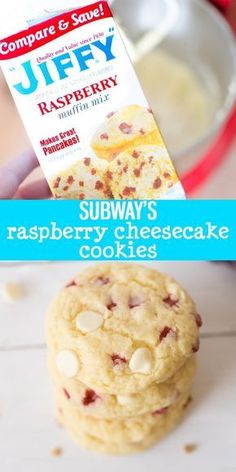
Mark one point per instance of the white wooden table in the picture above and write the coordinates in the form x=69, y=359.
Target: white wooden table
x=28, y=431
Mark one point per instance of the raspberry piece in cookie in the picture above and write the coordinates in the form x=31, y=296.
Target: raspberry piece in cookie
x=162, y=411
x=135, y=302
x=66, y=393
x=102, y=280
x=118, y=360
x=198, y=319
x=72, y=283
x=166, y=332
x=111, y=305
x=90, y=397
x=171, y=302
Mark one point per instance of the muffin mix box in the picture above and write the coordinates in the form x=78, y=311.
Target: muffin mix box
x=84, y=109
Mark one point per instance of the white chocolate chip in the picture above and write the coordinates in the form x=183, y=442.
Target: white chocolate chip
x=67, y=363
x=173, y=289
x=88, y=321
x=141, y=361
x=176, y=291
x=139, y=314
x=13, y=291
x=125, y=400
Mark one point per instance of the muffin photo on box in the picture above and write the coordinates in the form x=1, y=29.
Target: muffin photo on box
x=83, y=180
x=144, y=172
x=127, y=128
x=139, y=164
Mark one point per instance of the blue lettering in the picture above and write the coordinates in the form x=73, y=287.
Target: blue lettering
x=62, y=63
x=33, y=82
x=46, y=74
x=83, y=58
x=106, y=48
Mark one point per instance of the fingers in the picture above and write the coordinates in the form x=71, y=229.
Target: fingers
x=37, y=190
x=14, y=172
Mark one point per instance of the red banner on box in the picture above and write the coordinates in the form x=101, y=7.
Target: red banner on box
x=45, y=32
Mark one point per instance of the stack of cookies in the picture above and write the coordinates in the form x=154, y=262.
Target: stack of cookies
x=122, y=340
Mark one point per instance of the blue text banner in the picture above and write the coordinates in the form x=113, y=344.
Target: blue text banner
x=118, y=230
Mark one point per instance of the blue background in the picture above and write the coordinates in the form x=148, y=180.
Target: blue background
x=66, y=213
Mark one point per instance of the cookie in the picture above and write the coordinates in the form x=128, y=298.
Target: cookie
x=144, y=172
x=127, y=128
x=163, y=424
x=98, y=405
x=84, y=180
x=119, y=327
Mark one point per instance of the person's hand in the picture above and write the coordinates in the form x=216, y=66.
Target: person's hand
x=14, y=172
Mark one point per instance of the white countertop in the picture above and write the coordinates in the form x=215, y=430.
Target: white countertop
x=28, y=431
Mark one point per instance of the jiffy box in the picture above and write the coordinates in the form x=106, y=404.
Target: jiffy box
x=84, y=109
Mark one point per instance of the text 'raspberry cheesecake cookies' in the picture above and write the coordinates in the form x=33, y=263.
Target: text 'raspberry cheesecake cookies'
x=121, y=341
